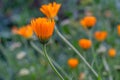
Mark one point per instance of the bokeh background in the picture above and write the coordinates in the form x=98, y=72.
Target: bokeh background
x=20, y=61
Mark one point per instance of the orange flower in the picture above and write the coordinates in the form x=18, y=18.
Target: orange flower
x=51, y=9
x=85, y=43
x=100, y=35
x=112, y=52
x=88, y=21
x=73, y=62
x=25, y=31
x=82, y=22
x=118, y=28
x=43, y=28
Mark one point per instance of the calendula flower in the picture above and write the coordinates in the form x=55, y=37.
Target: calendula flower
x=25, y=31
x=100, y=35
x=88, y=21
x=112, y=52
x=43, y=28
x=118, y=29
x=73, y=62
x=85, y=43
x=82, y=22
x=51, y=9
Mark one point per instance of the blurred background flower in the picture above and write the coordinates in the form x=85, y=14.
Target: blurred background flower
x=18, y=57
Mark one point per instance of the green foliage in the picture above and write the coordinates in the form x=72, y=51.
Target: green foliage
x=20, y=61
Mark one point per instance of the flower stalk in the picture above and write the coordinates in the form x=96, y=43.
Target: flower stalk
x=50, y=62
x=57, y=65
x=77, y=52
x=107, y=68
x=89, y=33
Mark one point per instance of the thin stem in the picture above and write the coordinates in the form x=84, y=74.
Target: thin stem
x=36, y=48
x=89, y=32
x=107, y=67
x=8, y=60
x=57, y=65
x=5, y=55
x=94, y=56
x=46, y=55
x=77, y=52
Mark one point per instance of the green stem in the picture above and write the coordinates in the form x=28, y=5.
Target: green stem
x=77, y=52
x=46, y=55
x=4, y=53
x=107, y=67
x=92, y=49
x=8, y=59
x=94, y=59
x=57, y=65
x=89, y=33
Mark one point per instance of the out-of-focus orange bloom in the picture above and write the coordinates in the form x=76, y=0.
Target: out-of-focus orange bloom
x=88, y=21
x=14, y=30
x=118, y=29
x=51, y=9
x=85, y=43
x=25, y=31
x=112, y=52
x=73, y=62
x=82, y=22
x=43, y=28
x=100, y=35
